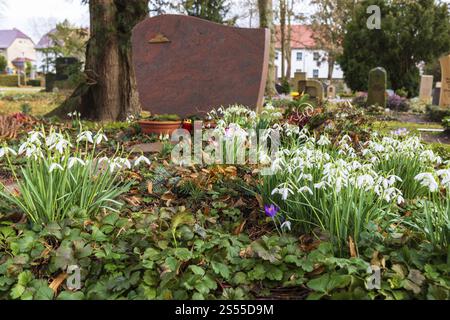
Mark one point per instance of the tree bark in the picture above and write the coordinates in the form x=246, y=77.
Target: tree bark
x=110, y=90
x=331, y=63
x=283, y=38
x=266, y=21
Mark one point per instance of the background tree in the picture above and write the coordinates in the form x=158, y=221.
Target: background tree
x=329, y=26
x=110, y=91
x=411, y=32
x=212, y=10
x=3, y=64
x=265, y=8
x=66, y=40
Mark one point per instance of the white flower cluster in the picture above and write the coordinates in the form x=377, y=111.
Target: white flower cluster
x=312, y=166
x=58, y=151
x=390, y=147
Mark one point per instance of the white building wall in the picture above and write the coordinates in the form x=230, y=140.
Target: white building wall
x=21, y=48
x=303, y=60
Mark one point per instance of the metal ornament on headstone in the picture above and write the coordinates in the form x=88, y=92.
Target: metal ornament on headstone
x=426, y=88
x=377, y=87
x=186, y=65
x=445, y=83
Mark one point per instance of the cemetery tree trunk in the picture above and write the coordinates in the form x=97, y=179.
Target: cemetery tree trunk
x=109, y=91
x=265, y=8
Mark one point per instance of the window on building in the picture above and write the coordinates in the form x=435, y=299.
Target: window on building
x=316, y=56
x=299, y=56
x=315, y=73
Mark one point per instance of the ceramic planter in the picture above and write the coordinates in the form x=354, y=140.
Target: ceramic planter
x=159, y=127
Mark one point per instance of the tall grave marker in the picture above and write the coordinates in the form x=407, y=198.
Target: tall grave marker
x=377, y=87
x=445, y=84
x=187, y=66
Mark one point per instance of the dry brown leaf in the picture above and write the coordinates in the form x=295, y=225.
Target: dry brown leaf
x=168, y=196
x=56, y=283
x=260, y=201
x=150, y=187
x=352, y=247
x=134, y=201
x=240, y=228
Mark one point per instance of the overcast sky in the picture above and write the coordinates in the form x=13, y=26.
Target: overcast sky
x=37, y=17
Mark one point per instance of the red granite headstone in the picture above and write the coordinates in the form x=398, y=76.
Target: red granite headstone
x=185, y=65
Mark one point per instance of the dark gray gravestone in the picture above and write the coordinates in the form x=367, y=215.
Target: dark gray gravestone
x=377, y=87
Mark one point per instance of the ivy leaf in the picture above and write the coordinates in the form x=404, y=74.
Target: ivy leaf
x=24, y=278
x=221, y=269
x=17, y=291
x=264, y=252
x=172, y=263
x=258, y=273
x=98, y=235
x=240, y=278
x=67, y=295
x=197, y=270
x=328, y=282
x=274, y=273
x=64, y=257
x=183, y=254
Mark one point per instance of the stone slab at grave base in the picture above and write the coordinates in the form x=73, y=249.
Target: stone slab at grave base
x=147, y=148
x=187, y=66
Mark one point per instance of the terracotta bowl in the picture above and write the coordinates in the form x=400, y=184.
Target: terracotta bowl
x=159, y=127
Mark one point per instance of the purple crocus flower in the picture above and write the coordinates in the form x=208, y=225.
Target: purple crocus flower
x=271, y=211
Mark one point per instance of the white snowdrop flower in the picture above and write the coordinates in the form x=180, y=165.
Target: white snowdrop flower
x=284, y=192
x=99, y=137
x=74, y=160
x=320, y=185
x=286, y=226
x=400, y=200
x=445, y=176
x=60, y=145
x=35, y=136
x=305, y=189
x=53, y=138
x=365, y=180
x=85, y=136
x=427, y=180
x=103, y=159
x=7, y=150
x=122, y=162
x=55, y=166
x=138, y=161
x=323, y=141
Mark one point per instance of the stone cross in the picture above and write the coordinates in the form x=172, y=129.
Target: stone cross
x=187, y=66
x=377, y=87
x=445, y=83
x=426, y=89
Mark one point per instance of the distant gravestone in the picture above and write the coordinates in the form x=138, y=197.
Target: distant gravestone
x=313, y=88
x=331, y=92
x=377, y=87
x=186, y=65
x=437, y=94
x=445, y=90
x=426, y=88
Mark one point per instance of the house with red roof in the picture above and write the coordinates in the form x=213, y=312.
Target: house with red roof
x=17, y=48
x=306, y=55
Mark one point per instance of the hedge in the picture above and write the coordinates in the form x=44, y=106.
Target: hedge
x=8, y=80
